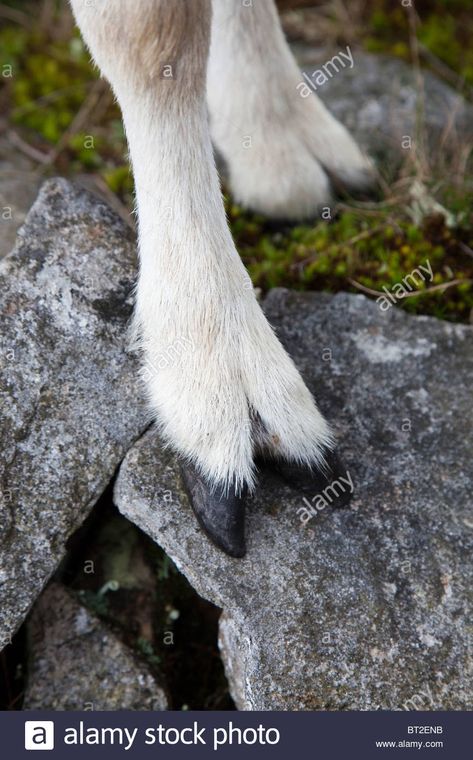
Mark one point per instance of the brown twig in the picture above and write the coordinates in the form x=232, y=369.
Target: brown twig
x=419, y=157
x=92, y=99
x=466, y=249
x=114, y=201
x=26, y=148
x=43, y=100
x=363, y=235
x=434, y=288
x=444, y=71
x=12, y=14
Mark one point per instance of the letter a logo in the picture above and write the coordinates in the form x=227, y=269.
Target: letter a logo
x=39, y=734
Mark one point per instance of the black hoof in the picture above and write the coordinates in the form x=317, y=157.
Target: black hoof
x=333, y=482
x=220, y=515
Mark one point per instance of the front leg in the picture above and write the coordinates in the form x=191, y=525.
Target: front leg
x=220, y=384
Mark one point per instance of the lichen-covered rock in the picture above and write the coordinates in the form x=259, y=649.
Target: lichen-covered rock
x=390, y=110
x=76, y=663
x=368, y=607
x=71, y=402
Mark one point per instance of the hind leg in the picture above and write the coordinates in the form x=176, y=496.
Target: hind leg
x=280, y=147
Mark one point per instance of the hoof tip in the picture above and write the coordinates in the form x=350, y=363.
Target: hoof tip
x=333, y=478
x=220, y=514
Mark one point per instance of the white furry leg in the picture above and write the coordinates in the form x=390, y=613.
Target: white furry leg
x=232, y=390
x=220, y=384
x=278, y=145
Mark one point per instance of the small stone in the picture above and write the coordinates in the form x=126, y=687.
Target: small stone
x=76, y=663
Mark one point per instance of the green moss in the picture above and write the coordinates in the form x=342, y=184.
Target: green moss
x=373, y=251
x=444, y=28
x=50, y=82
x=119, y=179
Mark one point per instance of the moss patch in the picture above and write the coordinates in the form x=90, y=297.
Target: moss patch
x=375, y=250
x=443, y=27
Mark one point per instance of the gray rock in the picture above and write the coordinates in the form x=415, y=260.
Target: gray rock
x=76, y=663
x=367, y=607
x=380, y=101
x=71, y=402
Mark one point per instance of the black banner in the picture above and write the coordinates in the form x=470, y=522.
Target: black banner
x=335, y=736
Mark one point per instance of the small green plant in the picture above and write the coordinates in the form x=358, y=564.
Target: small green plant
x=97, y=603
x=145, y=648
x=56, y=100
x=165, y=567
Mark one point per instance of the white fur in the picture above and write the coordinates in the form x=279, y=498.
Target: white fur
x=274, y=141
x=193, y=286
x=230, y=387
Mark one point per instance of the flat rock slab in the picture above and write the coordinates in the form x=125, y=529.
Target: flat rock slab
x=71, y=403
x=369, y=607
x=76, y=663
